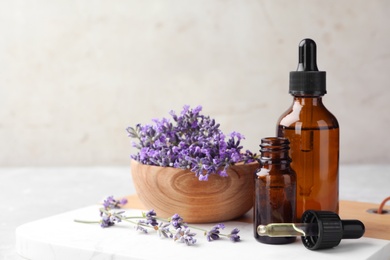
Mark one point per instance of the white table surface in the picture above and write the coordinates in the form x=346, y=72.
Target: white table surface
x=28, y=194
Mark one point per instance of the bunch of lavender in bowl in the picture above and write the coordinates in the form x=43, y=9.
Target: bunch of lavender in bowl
x=188, y=165
x=193, y=141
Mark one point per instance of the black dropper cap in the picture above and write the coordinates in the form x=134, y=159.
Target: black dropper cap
x=307, y=80
x=331, y=229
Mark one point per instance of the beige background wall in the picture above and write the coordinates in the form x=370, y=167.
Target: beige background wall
x=75, y=73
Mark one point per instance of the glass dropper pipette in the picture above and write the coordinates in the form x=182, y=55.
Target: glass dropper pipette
x=318, y=230
x=288, y=229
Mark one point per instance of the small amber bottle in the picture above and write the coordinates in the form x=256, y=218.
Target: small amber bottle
x=314, y=136
x=275, y=188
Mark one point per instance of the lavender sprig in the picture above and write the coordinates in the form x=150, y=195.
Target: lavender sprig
x=192, y=141
x=173, y=228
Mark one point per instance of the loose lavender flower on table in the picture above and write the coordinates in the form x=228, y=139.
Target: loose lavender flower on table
x=111, y=203
x=213, y=234
x=184, y=235
x=141, y=226
x=109, y=218
x=173, y=228
x=163, y=230
x=151, y=218
x=233, y=236
x=192, y=141
x=176, y=221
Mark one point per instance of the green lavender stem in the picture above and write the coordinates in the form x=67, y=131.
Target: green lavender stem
x=128, y=219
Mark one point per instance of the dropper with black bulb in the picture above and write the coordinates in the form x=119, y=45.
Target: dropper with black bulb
x=307, y=80
x=318, y=230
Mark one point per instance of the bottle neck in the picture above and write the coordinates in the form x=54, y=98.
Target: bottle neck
x=274, y=152
x=309, y=100
x=275, y=164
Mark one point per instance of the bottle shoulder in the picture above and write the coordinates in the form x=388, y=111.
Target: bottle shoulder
x=308, y=117
x=276, y=169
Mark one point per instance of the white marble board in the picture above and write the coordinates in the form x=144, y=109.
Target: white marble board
x=60, y=238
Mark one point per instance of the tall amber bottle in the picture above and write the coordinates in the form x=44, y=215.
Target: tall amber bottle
x=275, y=189
x=314, y=136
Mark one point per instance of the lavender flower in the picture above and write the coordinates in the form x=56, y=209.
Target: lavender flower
x=116, y=217
x=106, y=221
x=213, y=234
x=184, y=235
x=111, y=203
x=192, y=141
x=176, y=221
x=140, y=227
x=123, y=201
x=109, y=219
x=233, y=236
x=163, y=230
x=151, y=218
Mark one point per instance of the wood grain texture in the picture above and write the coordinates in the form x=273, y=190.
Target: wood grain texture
x=168, y=191
x=377, y=225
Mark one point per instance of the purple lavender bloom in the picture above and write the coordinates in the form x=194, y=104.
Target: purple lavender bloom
x=197, y=109
x=109, y=219
x=106, y=221
x=111, y=203
x=123, y=201
x=176, y=221
x=116, y=217
x=184, y=235
x=236, y=135
x=163, y=230
x=223, y=173
x=151, y=218
x=185, y=110
x=249, y=157
x=233, y=236
x=213, y=234
x=143, y=153
x=140, y=227
x=203, y=177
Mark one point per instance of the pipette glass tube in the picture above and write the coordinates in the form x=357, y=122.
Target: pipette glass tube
x=288, y=229
x=318, y=230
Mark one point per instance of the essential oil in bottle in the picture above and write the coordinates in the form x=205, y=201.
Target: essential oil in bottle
x=275, y=189
x=314, y=136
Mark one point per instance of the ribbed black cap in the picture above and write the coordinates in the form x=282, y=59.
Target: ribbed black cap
x=331, y=229
x=307, y=80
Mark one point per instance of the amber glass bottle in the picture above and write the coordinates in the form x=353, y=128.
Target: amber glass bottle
x=314, y=136
x=275, y=189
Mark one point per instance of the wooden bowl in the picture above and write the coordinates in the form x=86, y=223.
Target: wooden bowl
x=169, y=190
